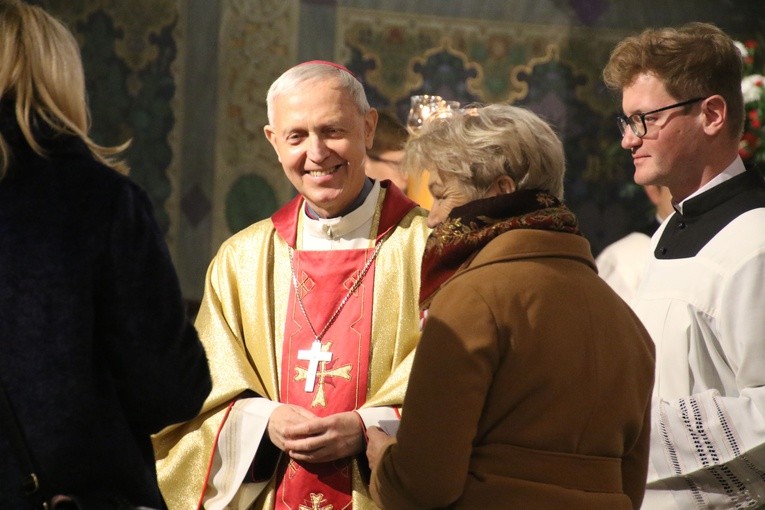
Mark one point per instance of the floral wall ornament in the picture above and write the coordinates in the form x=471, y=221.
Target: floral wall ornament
x=752, y=144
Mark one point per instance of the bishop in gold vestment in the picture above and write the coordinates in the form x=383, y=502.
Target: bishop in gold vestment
x=309, y=319
x=242, y=324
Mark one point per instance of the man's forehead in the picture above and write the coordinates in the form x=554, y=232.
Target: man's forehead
x=645, y=84
x=313, y=88
x=330, y=104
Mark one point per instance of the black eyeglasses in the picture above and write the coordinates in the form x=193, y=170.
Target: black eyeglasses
x=636, y=122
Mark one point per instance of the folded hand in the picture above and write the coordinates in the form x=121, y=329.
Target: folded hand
x=325, y=439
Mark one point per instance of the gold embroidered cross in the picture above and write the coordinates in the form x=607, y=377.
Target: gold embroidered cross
x=316, y=501
x=321, y=373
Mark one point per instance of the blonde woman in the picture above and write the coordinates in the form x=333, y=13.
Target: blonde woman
x=95, y=350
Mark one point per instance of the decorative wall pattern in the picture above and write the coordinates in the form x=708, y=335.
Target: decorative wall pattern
x=543, y=54
x=128, y=51
x=258, y=42
x=552, y=70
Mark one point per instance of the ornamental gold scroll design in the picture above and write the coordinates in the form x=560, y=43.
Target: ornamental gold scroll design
x=520, y=88
x=391, y=43
x=137, y=20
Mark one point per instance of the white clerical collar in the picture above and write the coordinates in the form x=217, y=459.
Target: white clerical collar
x=734, y=169
x=344, y=232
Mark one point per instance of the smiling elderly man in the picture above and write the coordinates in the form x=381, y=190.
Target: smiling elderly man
x=309, y=318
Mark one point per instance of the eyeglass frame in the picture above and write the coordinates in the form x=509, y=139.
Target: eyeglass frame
x=623, y=121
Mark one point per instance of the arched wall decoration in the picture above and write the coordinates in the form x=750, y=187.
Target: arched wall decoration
x=70, y=12
x=389, y=41
x=137, y=20
x=520, y=88
x=562, y=64
x=402, y=36
x=472, y=84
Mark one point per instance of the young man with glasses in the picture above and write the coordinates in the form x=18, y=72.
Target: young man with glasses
x=702, y=297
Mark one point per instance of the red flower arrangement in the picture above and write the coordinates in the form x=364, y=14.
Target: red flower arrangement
x=752, y=145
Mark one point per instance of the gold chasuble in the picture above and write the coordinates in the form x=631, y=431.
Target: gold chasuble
x=345, y=341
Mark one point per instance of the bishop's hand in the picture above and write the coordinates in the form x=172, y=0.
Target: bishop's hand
x=325, y=439
x=282, y=420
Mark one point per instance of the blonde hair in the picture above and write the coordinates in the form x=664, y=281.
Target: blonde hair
x=484, y=143
x=41, y=74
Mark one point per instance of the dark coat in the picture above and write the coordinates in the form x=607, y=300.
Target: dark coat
x=96, y=352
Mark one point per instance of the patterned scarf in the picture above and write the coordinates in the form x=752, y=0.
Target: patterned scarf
x=470, y=227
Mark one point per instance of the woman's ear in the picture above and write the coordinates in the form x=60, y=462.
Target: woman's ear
x=503, y=185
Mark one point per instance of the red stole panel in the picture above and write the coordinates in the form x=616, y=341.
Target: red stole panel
x=324, y=278
x=328, y=378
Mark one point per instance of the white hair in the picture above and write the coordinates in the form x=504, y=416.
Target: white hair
x=300, y=74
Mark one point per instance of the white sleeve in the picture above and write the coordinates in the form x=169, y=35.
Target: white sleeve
x=701, y=454
x=709, y=448
x=387, y=418
x=239, y=440
x=622, y=263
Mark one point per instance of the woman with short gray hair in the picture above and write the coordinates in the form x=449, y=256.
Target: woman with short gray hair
x=532, y=382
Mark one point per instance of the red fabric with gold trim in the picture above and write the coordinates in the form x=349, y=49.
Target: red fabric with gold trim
x=340, y=379
x=324, y=279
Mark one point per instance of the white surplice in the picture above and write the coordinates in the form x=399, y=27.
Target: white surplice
x=706, y=314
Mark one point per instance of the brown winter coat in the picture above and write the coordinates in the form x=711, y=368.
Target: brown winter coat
x=530, y=388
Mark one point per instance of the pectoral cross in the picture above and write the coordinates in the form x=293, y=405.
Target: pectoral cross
x=313, y=357
x=317, y=500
